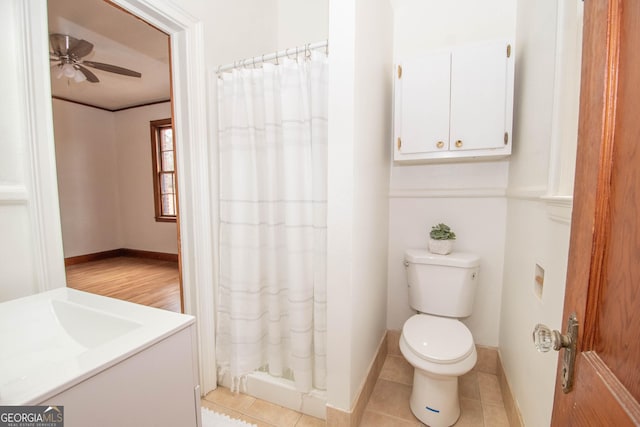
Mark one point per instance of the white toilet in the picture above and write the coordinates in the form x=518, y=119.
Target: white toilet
x=440, y=347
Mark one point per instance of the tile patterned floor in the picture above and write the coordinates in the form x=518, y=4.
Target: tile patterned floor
x=480, y=400
x=256, y=411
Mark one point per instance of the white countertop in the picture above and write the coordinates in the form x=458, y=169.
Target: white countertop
x=56, y=339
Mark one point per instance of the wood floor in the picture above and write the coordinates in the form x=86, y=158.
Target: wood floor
x=143, y=281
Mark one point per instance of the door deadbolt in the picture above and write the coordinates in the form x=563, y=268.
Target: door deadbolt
x=546, y=339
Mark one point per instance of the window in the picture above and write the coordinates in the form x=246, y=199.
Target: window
x=164, y=174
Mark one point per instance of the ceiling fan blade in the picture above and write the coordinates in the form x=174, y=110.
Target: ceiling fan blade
x=112, y=68
x=63, y=45
x=82, y=48
x=88, y=74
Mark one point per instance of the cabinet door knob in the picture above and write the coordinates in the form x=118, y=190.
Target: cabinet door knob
x=458, y=143
x=440, y=144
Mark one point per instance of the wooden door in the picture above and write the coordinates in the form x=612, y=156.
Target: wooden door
x=603, y=279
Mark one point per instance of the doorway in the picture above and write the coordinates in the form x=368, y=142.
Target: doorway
x=102, y=116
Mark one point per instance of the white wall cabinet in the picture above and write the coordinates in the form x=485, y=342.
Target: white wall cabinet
x=454, y=104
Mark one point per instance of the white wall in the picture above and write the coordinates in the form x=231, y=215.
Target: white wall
x=31, y=245
x=301, y=22
x=539, y=204
x=533, y=238
x=16, y=259
x=246, y=28
x=360, y=34
x=139, y=229
x=235, y=29
x=87, y=178
x=372, y=132
x=467, y=196
x=105, y=179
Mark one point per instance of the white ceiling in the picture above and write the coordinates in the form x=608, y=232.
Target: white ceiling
x=119, y=39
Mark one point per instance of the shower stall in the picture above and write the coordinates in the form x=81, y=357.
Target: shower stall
x=271, y=296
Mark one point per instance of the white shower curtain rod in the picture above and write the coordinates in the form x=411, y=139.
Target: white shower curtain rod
x=257, y=60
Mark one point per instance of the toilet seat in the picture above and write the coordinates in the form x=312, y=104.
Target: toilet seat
x=437, y=339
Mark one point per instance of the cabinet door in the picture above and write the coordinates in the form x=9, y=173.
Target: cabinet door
x=478, y=96
x=422, y=104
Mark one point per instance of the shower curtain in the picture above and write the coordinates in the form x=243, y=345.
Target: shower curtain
x=273, y=171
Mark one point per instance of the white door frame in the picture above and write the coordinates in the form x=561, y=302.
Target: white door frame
x=195, y=186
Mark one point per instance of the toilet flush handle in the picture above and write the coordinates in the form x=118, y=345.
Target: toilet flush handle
x=406, y=263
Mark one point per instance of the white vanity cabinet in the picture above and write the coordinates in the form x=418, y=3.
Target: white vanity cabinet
x=454, y=104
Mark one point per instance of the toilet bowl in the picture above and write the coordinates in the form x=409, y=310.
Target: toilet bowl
x=440, y=350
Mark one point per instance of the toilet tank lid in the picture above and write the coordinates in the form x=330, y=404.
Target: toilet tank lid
x=454, y=259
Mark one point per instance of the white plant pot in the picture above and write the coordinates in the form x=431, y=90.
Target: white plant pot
x=441, y=247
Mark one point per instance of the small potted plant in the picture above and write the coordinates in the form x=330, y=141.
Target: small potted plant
x=441, y=239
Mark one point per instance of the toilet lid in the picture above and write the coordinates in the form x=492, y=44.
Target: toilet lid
x=438, y=339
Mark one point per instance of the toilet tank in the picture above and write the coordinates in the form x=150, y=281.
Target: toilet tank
x=442, y=285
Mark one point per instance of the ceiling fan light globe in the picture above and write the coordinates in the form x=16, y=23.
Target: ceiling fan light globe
x=79, y=77
x=68, y=70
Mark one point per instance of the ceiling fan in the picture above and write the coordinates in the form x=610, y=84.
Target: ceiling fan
x=68, y=52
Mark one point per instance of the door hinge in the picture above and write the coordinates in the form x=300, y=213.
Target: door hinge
x=508, y=51
x=399, y=71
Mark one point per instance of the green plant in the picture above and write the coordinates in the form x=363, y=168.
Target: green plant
x=442, y=232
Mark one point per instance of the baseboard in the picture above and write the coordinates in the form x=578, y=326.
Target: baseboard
x=134, y=253
x=339, y=418
x=510, y=405
x=160, y=256
x=96, y=256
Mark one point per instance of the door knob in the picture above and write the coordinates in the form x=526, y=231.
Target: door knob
x=546, y=339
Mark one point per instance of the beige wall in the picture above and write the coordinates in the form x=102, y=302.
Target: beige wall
x=139, y=228
x=87, y=166
x=105, y=179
